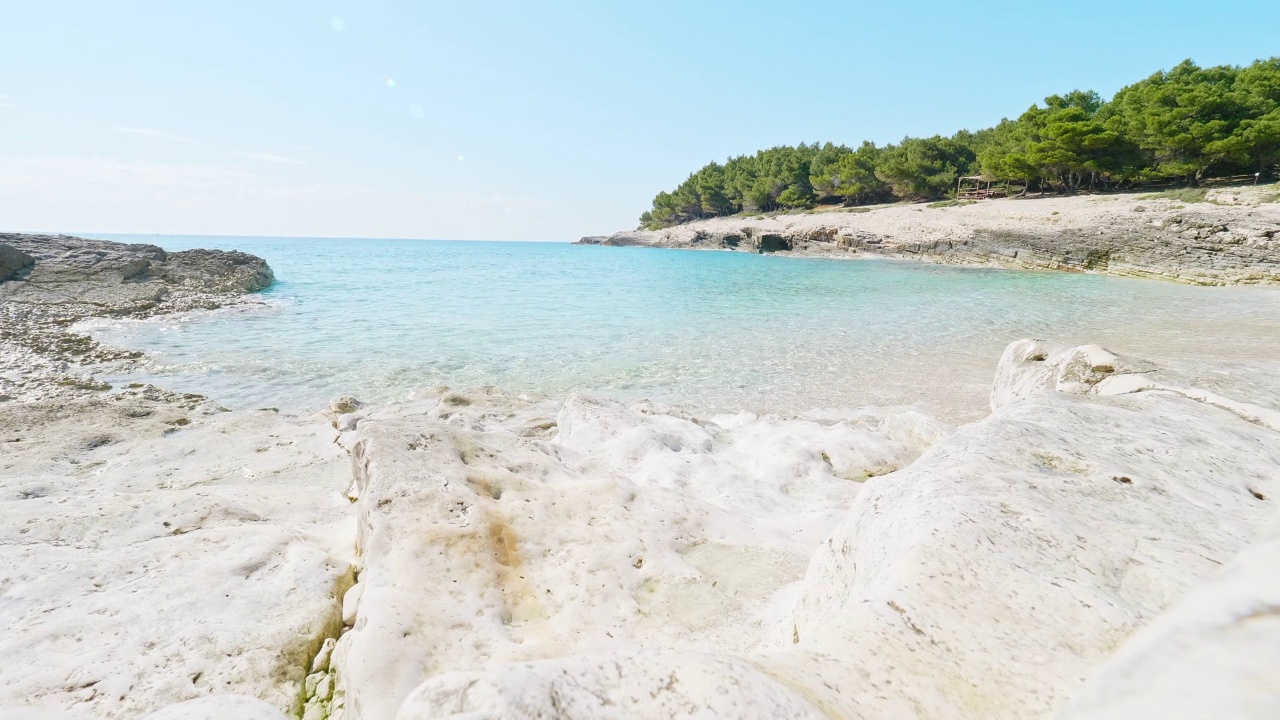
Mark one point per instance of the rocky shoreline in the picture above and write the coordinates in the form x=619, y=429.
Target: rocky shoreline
x=49, y=282
x=1231, y=237
x=1102, y=545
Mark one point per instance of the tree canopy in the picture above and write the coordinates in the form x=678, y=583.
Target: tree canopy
x=1183, y=125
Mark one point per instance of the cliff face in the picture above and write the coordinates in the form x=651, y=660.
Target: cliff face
x=1231, y=238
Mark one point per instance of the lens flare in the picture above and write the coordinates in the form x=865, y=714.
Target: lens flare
x=337, y=24
x=391, y=82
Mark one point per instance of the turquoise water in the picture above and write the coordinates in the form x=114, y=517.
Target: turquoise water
x=714, y=330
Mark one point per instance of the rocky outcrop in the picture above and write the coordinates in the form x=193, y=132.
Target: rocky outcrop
x=122, y=275
x=495, y=529
x=1231, y=238
x=1101, y=546
x=1214, y=654
x=159, y=551
x=989, y=579
x=993, y=575
x=47, y=282
x=13, y=262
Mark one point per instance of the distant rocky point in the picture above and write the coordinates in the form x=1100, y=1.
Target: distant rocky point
x=1232, y=237
x=45, y=263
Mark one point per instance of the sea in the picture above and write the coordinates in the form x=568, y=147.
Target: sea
x=707, y=330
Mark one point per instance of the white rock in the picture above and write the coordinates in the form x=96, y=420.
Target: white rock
x=309, y=687
x=351, y=604
x=28, y=712
x=653, y=686
x=482, y=543
x=324, y=688
x=987, y=579
x=1031, y=366
x=219, y=707
x=150, y=570
x=321, y=661
x=1216, y=653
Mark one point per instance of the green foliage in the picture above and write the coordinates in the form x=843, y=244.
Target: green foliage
x=1182, y=126
x=925, y=168
x=836, y=172
x=1186, y=195
x=951, y=203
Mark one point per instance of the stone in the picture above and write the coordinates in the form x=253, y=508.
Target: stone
x=351, y=604
x=343, y=405
x=1215, y=653
x=13, y=262
x=161, y=567
x=48, y=282
x=652, y=686
x=309, y=687
x=219, y=707
x=483, y=541
x=987, y=579
x=1114, y=234
x=324, y=688
x=321, y=661
x=991, y=576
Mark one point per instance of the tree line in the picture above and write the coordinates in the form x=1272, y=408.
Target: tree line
x=1182, y=126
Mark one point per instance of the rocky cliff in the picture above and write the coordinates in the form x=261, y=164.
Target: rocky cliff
x=1231, y=237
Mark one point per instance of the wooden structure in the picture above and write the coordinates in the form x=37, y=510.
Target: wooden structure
x=976, y=187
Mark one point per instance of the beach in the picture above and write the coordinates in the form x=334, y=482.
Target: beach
x=1224, y=237
x=1073, y=549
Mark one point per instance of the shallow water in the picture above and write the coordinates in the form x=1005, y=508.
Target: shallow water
x=714, y=330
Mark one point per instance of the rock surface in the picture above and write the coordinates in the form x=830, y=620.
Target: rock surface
x=47, y=282
x=155, y=553
x=13, y=262
x=1103, y=545
x=65, y=268
x=156, y=548
x=1231, y=238
x=987, y=579
x=1215, y=654
x=497, y=529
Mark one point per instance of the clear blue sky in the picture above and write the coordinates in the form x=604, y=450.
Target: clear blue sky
x=514, y=120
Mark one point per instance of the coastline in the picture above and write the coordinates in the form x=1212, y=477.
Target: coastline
x=468, y=551
x=1230, y=238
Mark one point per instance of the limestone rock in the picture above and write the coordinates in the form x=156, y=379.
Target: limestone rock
x=991, y=576
x=483, y=540
x=654, y=686
x=50, y=281
x=1208, y=243
x=1031, y=366
x=987, y=580
x=146, y=566
x=219, y=707
x=343, y=404
x=1216, y=653
x=13, y=261
x=122, y=274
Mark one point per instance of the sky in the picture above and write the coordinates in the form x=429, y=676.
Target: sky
x=533, y=120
